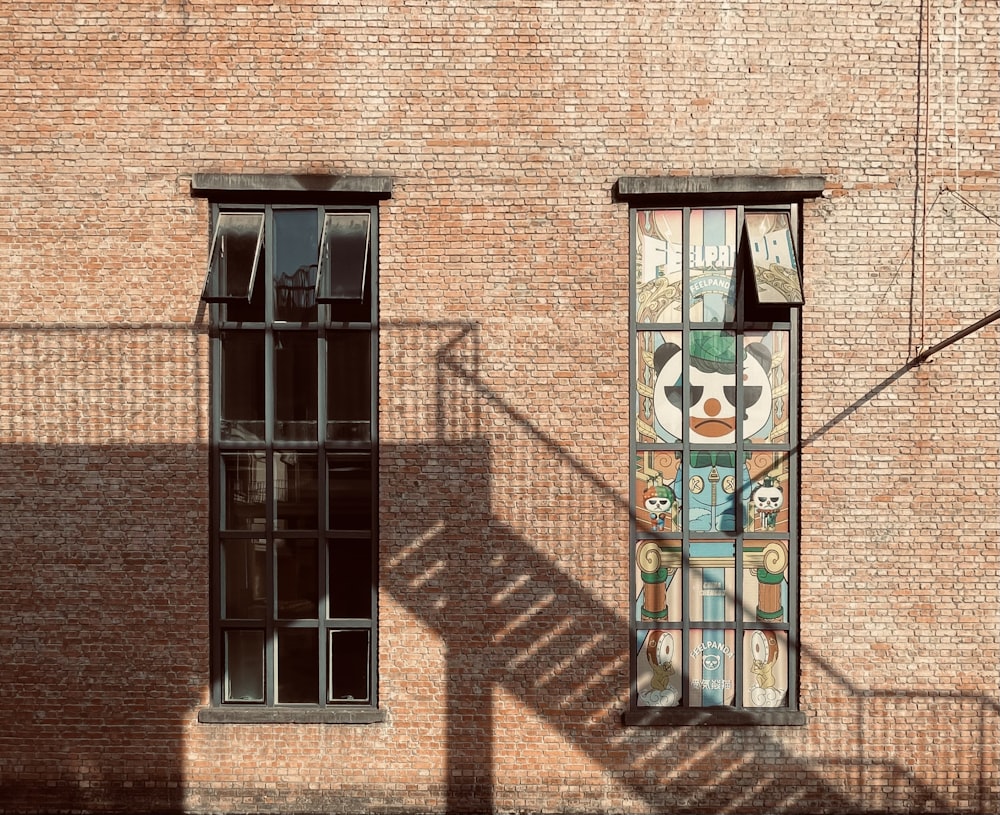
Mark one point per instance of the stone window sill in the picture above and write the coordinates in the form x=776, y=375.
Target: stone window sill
x=258, y=714
x=712, y=717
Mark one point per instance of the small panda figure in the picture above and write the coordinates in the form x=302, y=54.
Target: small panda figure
x=659, y=500
x=767, y=498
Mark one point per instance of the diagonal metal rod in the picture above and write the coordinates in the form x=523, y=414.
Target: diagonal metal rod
x=923, y=356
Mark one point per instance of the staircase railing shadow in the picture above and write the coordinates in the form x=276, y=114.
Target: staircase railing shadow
x=516, y=621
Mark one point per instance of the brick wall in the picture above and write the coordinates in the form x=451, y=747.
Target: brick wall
x=503, y=403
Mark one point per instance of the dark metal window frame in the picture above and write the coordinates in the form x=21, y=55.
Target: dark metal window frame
x=743, y=195
x=270, y=195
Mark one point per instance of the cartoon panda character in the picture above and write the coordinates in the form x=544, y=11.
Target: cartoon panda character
x=659, y=500
x=711, y=382
x=709, y=485
x=767, y=498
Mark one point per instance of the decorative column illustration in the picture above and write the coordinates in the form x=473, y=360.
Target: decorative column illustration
x=655, y=575
x=770, y=576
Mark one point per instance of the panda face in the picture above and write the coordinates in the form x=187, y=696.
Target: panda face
x=768, y=499
x=659, y=503
x=713, y=396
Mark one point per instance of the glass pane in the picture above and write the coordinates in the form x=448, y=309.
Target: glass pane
x=657, y=487
x=296, y=239
x=768, y=510
x=765, y=581
x=296, y=572
x=772, y=255
x=350, y=656
x=658, y=668
x=242, y=385
x=244, y=485
x=344, y=260
x=296, y=491
x=658, y=576
x=708, y=490
x=712, y=585
x=711, y=388
x=235, y=252
x=298, y=665
x=709, y=399
x=658, y=266
x=253, y=312
x=712, y=668
x=350, y=483
x=295, y=385
x=244, y=568
x=348, y=386
x=244, y=668
x=659, y=379
x=351, y=577
x=712, y=255
x=765, y=672
x=765, y=387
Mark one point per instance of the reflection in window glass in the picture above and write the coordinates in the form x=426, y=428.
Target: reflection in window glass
x=295, y=575
x=350, y=500
x=296, y=491
x=297, y=665
x=244, y=477
x=350, y=656
x=250, y=312
x=244, y=565
x=344, y=255
x=296, y=234
x=244, y=668
x=348, y=386
x=295, y=385
x=242, y=385
x=236, y=246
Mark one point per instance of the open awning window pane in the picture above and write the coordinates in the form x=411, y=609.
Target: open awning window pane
x=235, y=253
x=772, y=258
x=343, y=256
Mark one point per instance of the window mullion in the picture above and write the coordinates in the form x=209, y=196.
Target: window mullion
x=685, y=468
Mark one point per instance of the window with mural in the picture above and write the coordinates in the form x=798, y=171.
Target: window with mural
x=715, y=296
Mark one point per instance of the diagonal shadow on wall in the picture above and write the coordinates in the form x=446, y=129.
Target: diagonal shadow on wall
x=514, y=619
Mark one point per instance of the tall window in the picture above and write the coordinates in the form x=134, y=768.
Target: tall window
x=715, y=296
x=291, y=290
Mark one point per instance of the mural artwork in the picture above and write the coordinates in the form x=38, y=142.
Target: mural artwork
x=695, y=486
